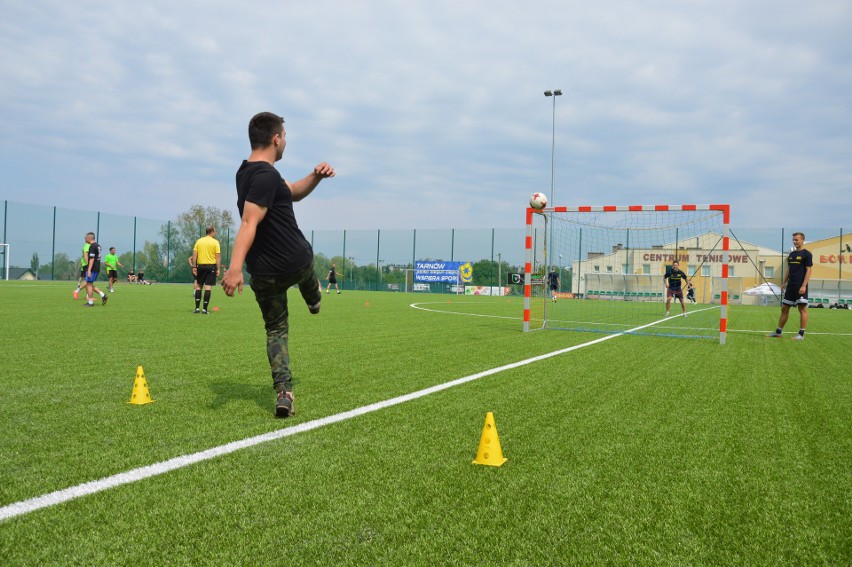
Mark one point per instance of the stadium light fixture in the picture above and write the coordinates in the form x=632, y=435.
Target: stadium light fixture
x=555, y=93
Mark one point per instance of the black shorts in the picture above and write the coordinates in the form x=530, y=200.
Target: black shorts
x=205, y=274
x=332, y=280
x=678, y=293
x=112, y=274
x=792, y=295
x=83, y=273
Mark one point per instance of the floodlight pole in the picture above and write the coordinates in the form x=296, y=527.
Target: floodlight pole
x=554, y=93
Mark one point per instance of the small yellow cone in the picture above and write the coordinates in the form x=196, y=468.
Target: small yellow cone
x=140, y=394
x=489, y=453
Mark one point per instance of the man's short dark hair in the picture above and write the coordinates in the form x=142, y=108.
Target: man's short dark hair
x=210, y=230
x=262, y=127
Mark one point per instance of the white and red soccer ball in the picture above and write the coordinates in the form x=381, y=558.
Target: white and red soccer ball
x=538, y=201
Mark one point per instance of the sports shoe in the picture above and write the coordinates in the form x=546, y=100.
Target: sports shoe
x=684, y=314
x=76, y=294
x=104, y=300
x=667, y=313
x=284, y=405
x=197, y=311
x=87, y=304
x=314, y=309
x=774, y=335
x=204, y=312
x=326, y=292
x=338, y=293
x=797, y=337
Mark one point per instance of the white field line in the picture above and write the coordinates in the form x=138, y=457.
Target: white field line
x=730, y=330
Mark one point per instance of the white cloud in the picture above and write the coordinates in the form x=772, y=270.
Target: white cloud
x=432, y=112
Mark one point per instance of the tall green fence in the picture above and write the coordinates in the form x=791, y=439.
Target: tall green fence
x=48, y=242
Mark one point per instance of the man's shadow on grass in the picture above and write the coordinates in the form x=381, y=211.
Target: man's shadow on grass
x=260, y=393
x=225, y=393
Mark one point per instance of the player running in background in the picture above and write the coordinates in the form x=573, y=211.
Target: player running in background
x=84, y=263
x=92, y=270
x=276, y=253
x=111, y=262
x=205, y=261
x=690, y=293
x=674, y=286
x=553, y=283
x=332, y=279
x=795, y=285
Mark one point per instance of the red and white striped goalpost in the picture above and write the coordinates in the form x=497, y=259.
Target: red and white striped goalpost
x=726, y=218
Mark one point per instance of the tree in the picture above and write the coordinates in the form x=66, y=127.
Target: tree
x=152, y=261
x=34, y=263
x=63, y=268
x=180, y=235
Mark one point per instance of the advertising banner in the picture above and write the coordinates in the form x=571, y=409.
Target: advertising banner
x=440, y=271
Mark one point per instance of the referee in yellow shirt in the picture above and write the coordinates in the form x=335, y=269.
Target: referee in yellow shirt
x=205, y=262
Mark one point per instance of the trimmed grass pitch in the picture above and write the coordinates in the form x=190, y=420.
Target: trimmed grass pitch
x=639, y=449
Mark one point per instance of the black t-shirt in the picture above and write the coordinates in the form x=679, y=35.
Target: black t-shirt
x=279, y=246
x=553, y=279
x=676, y=278
x=799, y=261
x=95, y=252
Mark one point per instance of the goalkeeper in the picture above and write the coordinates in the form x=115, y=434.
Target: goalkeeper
x=674, y=286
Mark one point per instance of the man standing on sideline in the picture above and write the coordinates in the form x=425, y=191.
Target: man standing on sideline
x=84, y=263
x=332, y=279
x=276, y=253
x=205, y=262
x=553, y=283
x=795, y=285
x=674, y=286
x=92, y=270
x=111, y=262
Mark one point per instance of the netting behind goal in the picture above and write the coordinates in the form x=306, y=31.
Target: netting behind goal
x=602, y=269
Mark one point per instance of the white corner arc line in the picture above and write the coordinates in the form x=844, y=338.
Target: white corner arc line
x=134, y=475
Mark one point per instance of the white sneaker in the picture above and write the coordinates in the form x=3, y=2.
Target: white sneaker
x=667, y=313
x=797, y=337
x=684, y=314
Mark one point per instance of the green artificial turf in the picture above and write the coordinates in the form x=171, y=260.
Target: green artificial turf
x=639, y=449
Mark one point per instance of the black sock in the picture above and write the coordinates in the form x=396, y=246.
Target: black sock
x=778, y=331
x=197, y=298
x=801, y=332
x=206, y=298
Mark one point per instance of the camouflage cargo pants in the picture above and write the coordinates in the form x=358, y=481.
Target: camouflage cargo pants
x=271, y=296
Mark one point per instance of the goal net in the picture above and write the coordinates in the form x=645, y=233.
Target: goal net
x=604, y=269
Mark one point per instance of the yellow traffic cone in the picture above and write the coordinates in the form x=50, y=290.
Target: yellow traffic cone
x=490, y=453
x=140, y=394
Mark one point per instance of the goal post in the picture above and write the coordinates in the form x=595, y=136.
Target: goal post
x=604, y=269
x=5, y=251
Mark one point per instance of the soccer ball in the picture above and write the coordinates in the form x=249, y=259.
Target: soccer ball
x=538, y=201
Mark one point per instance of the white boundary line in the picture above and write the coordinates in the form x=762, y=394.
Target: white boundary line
x=141, y=473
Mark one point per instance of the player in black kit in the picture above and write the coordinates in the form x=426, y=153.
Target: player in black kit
x=799, y=265
x=674, y=286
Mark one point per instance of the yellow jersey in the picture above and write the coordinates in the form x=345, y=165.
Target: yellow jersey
x=206, y=249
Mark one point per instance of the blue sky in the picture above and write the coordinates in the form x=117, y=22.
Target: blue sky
x=433, y=112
